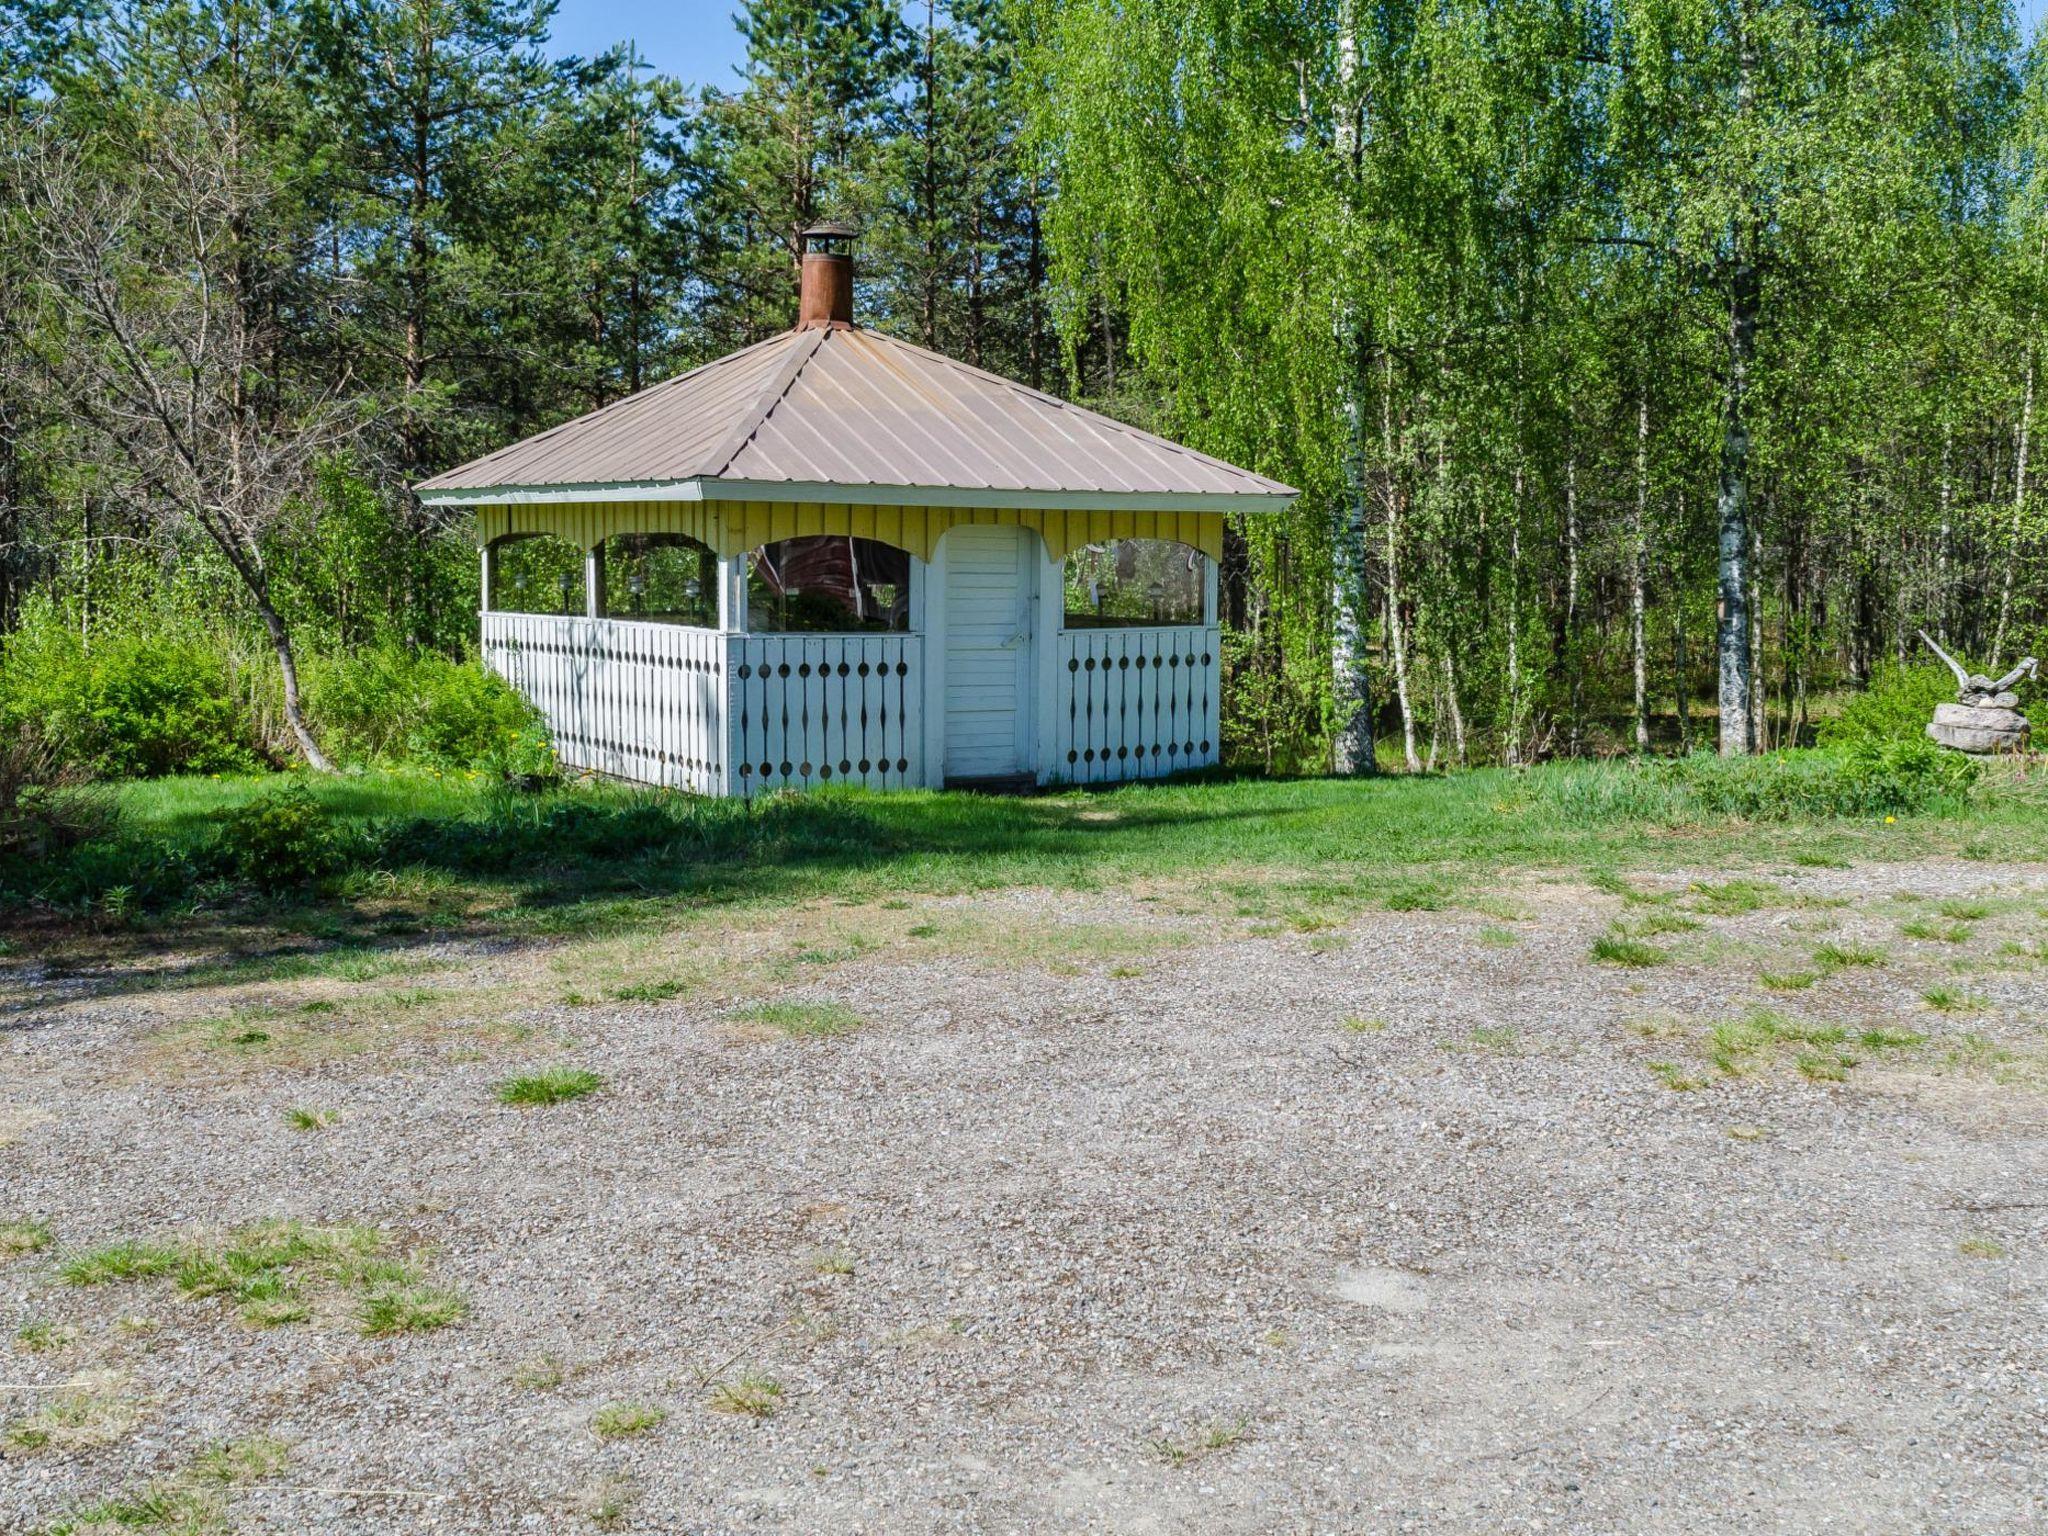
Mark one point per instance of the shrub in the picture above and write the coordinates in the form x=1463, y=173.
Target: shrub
x=284, y=837
x=134, y=702
x=1896, y=707
x=1870, y=777
x=391, y=706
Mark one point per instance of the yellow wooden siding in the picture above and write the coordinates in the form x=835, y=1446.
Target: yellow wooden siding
x=734, y=527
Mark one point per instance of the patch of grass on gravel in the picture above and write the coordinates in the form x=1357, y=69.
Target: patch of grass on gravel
x=275, y=1273
x=1734, y=898
x=1618, y=949
x=803, y=1020
x=1655, y=924
x=543, y=1373
x=606, y=1502
x=23, y=1237
x=556, y=1085
x=656, y=991
x=832, y=1261
x=310, y=1119
x=1980, y=1248
x=1965, y=911
x=1494, y=937
x=1217, y=1435
x=1787, y=981
x=40, y=1336
x=618, y=1421
x=750, y=1394
x=1940, y=933
x=89, y=1410
x=1674, y=1077
x=1838, y=957
x=191, y=1504
x=1363, y=1026
x=1952, y=1000
x=1890, y=1040
x=1741, y=1046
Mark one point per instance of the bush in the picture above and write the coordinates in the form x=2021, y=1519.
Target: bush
x=389, y=707
x=282, y=838
x=134, y=702
x=1869, y=778
x=1896, y=707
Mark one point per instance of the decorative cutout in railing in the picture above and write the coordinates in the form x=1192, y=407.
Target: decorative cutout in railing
x=826, y=709
x=1135, y=703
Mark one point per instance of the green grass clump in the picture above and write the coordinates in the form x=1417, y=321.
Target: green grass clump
x=1980, y=1248
x=649, y=991
x=403, y=1305
x=1952, y=1000
x=1740, y=1046
x=1965, y=911
x=1788, y=981
x=300, y=1119
x=752, y=1395
x=20, y=1237
x=1837, y=957
x=803, y=1020
x=1653, y=925
x=1616, y=949
x=40, y=1336
x=617, y=1421
x=1940, y=933
x=1733, y=898
x=1496, y=937
x=127, y=1260
x=1890, y=1040
x=556, y=1085
x=1364, y=1026
x=1675, y=1077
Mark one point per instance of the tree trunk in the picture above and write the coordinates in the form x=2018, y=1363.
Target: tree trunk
x=1736, y=663
x=2019, y=510
x=1397, y=639
x=294, y=706
x=1569, y=654
x=1456, y=709
x=1511, y=746
x=1638, y=549
x=1351, y=684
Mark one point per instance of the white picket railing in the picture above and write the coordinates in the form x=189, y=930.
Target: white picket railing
x=717, y=713
x=743, y=714
x=826, y=709
x=637, y=701
x=1135, y=703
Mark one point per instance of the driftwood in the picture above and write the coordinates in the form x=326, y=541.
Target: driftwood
x=1985, y=716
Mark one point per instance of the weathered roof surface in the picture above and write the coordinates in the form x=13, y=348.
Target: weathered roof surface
x=851, y=407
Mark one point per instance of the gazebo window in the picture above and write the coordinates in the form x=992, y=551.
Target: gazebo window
x=828, y=584
x=536, y=573
x=661, y=578
x=1120, y=583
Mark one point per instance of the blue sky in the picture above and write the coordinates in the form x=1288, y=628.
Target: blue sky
x=695, y=41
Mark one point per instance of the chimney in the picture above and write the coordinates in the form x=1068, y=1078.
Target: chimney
x=826, y=295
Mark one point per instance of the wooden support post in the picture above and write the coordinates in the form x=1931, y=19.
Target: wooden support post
x=593, y=581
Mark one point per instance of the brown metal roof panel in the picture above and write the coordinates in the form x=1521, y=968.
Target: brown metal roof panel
x=667, y=426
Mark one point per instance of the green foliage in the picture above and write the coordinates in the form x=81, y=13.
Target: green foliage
x=388, y=706
x=282, y=838
x=136, y=700
x=1870, y=778
x=1896, y=707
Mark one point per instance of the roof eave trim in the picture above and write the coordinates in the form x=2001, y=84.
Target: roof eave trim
x=861, y=496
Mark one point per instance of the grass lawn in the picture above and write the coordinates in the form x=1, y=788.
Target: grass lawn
x=447, y=851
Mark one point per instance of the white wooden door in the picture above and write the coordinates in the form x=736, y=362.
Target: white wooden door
x=991, y=581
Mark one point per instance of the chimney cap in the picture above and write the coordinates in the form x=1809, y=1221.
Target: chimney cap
x=827, y=234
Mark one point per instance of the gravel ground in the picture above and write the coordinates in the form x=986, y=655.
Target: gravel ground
x=1166, y=1245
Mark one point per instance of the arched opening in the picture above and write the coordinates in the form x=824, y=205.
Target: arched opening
x=535, y=573
x=661, y=578
x=1121, y=583
x=832, y=584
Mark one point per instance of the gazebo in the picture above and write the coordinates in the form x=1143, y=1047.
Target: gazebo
x=836, y=557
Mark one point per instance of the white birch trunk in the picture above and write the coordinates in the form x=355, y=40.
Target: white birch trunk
x=2019, y=512
x=1638, y=553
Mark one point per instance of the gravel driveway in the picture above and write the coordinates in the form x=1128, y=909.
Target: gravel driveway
x=1394, y=1225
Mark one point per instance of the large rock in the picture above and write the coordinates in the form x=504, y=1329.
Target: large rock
x=1977, y=740
x=1979, y=717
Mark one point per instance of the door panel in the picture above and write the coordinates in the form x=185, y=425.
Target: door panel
x=991, y=579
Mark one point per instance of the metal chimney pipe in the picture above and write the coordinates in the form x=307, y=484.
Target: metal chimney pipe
x=825, y=294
